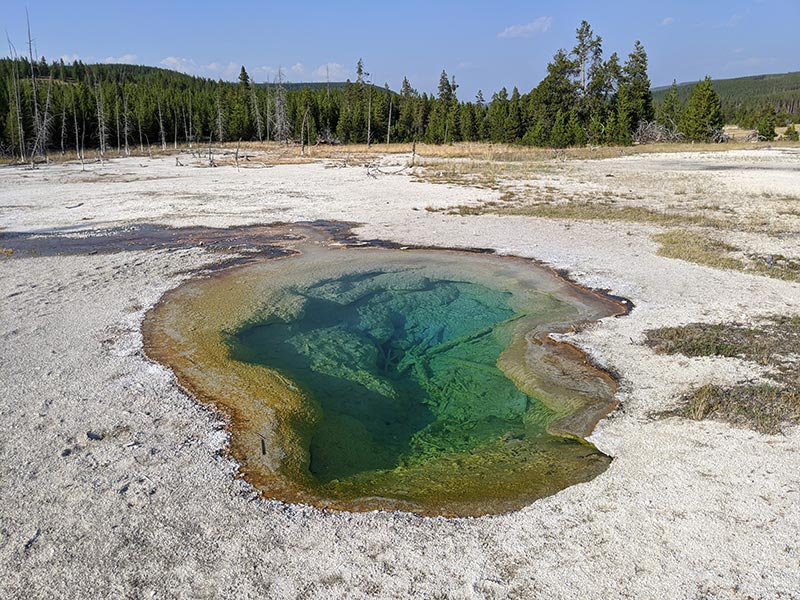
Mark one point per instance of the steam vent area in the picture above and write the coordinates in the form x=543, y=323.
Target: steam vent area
x=363, y=378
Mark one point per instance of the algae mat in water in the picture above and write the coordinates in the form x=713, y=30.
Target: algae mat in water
x=370, y=378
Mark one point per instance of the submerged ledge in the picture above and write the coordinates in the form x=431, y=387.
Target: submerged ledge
x=275, y=423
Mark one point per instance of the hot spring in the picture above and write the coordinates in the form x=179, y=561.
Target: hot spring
x=418, y=380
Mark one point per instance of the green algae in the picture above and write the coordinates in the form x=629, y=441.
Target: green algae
x=422, y=381
x=404, y=369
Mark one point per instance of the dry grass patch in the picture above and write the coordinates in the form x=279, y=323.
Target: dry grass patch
x=582, y=210
x=774, y=343
x=765, y=408
x=702, y=249
x=698, y=248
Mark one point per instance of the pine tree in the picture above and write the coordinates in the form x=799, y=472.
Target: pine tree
x=244, y=78
x=671, y=109
x=560, y=136
x=703, y=115
x=618, y=131
x=638, y=83
x=766, y=125
x=404, y=129
x=497, y=113
x=513, y=121
x=588, y=53
x=596, y=129
x=792, y=134
x=576, y=130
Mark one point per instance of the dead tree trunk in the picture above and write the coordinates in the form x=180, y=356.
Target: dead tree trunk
x=161, y=133
x=63, y=126
x=268, y=115
x=126, y=122
x=191, y=127
x=256, y=112
x=102, y=132
x=116, y=118
x=185, y=126
x=78, y=148
x=369, y=118
x=36, y=123
x=43, y=128
x=47, y=121
x=302, y=134
x=141, y=140
x=389, y=128
x=17, y=99
x=281, y=118
x=220, y=119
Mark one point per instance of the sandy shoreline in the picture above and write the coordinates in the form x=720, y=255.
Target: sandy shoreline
x=686, y=510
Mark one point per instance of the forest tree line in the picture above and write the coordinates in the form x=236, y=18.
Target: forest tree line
x=585, y=98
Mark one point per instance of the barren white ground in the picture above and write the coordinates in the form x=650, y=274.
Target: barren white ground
x=153, y=509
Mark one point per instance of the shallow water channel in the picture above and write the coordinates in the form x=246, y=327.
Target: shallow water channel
x=370, y=378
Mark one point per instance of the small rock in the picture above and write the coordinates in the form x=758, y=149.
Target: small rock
x=93, y=435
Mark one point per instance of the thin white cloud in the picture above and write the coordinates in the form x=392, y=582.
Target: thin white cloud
x=755, y=61
x=734, y=20
x=178, y=63
x=69, y=58
x=263, y=73
x=124, y=59
x=332, y=69
x=668, y=21
x=221, y=71
x=534, y=28
x=229, y=71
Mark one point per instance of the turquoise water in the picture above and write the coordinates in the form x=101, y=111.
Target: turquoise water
x=402, y=368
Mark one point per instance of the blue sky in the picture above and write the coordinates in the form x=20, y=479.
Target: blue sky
x=486, y=45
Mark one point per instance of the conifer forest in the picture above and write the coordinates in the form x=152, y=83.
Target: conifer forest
x=585, y=98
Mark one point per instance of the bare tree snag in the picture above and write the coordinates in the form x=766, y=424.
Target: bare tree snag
x=126, y=122
x=17, y=99
x=78, y=147
x=389, y=128
x=102, y=132
x=36, y=123
x=162, y=135
x=256, y=111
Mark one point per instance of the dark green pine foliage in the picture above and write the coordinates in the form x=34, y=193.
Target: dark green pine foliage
x=576, y=129
x=670, y=110
x=635, y=78
x=703, y=115
x=244, y=78
x=512, y=128
x=619, y=128
x=497, y=115
x=766, y=125
x=441, y=126
x=744, y=98
x=561, y=136
x=582, y=99
x=588, y=57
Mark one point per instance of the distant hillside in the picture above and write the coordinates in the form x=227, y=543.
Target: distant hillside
x=313, y=85
x=744, y=97
x=140, y=73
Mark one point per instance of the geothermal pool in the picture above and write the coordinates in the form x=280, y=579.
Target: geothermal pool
x=419, y=380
